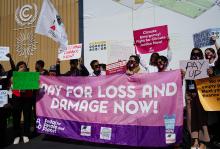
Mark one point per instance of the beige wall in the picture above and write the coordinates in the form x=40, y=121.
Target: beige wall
x=46, y=48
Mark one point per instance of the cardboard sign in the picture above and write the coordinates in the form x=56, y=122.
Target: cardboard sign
x=3, y=97
x=151, y=40
x=195, y=69
x=3, y=52
x=203, y=38
x=209, y=93
x=72, y=52
x=25, y=80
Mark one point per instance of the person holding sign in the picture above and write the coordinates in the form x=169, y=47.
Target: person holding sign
x=22, y=103
x=5, y=109
x=153, y=64
x=197, y=117
x=77, y=68
x=133, y=65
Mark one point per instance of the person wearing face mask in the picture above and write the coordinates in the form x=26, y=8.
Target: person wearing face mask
x=22, y=102
x=197, y=117
x=96, y=68
x=133, y=65
x=153, y=65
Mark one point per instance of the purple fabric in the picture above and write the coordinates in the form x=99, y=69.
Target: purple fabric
x=121, y=134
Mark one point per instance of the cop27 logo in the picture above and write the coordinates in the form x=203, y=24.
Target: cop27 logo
x=26, y=15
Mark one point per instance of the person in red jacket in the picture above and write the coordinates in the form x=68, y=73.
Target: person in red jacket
x=22, y=102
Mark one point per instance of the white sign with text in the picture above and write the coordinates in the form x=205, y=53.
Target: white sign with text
x=195, y=69
x=3, y=52
x=72, y=52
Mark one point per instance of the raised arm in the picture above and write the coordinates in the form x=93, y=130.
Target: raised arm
x=214, y=38
x=11, y=61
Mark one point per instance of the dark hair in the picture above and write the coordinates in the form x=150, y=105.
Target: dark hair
x=163, y=58
x=154, y=54
x=212, y=50
x=73, y=61
x=19, y=64
x=103, y=66
x=1, y=66
x=40, y=63
x=196, y=49
x=151, y=57
x=137, y=59
x=93, y=62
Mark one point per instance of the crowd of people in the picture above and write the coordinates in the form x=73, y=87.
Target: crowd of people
x=23, y=101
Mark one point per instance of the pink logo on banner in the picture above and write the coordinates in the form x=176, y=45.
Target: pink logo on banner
x=151, y=40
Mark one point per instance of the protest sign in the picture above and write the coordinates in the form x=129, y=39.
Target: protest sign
x=151, y=40
x=72, y=52
x=118, y=54
x=117, y=67
x=203, y=38
x=209, y=93
x=3, y=97
x=195, y=69
x=3, y=52
x=112, y=109
x=25, y=80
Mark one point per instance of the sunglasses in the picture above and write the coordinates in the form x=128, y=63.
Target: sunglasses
x=197, y=54
x=96, y=66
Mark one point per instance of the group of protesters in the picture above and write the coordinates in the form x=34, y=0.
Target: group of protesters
x=25, y=100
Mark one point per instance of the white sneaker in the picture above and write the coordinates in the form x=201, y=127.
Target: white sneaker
x=195, y=148
x=25, y=139
x=16, y=140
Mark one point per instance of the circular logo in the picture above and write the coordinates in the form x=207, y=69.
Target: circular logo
x=25, y=44
x=26, y=15
x=38, y=124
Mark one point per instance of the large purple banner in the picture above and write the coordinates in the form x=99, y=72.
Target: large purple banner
x=139, y=110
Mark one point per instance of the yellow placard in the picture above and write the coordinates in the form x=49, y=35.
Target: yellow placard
x=209, y=93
